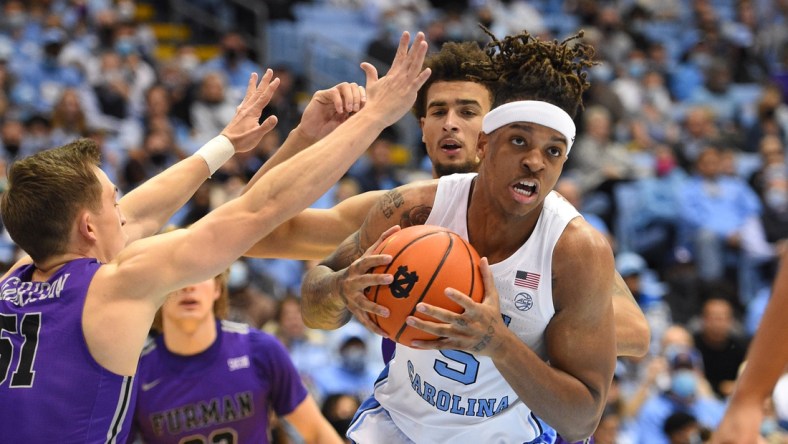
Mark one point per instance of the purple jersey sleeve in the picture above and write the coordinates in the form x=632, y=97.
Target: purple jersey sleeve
x=273, y=364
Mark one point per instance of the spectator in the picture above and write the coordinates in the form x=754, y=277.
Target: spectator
x=771, y=118
x=12, y=135
x=723, y=348
x=39, y=134
x=158, y=105
x=211, y=107
x=770, y=181
x=682, y=428
x=49, y=76
x=714, y=209
x=568, y=188
x=69, y=120
x=339, y=409
x=351, y=373
x=157, y=153
x=698, y=131
x=307, y=347
x=686, y=374
x=233, y=63
x=600, y=162
x=380, y=173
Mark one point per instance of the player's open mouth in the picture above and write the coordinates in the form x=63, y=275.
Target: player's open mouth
x=525, y=190
x=450, y=146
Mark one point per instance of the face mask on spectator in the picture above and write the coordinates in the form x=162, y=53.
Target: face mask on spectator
x=125, y=47
x=353, y=358
x=684, y=383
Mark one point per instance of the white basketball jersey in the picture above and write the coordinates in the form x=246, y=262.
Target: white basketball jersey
x=455, y=396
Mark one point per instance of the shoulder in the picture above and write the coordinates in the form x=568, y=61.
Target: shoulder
x=405, y=206
x=262, y=343
x=579, y=242
x=583, y=266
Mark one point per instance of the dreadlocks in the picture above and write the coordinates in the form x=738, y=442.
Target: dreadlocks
x=522, y=67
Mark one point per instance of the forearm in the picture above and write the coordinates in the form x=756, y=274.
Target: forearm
x=555, y=396
x=311, y=172
x=314, y=234
x=768, y=353
x=313, y=427
x=296, y=141
x=149, y=206
x=321, y=305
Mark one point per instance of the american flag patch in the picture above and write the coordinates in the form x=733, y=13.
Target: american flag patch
x=526, y=279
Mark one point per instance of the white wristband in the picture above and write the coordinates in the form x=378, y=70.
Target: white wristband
x=216, y=152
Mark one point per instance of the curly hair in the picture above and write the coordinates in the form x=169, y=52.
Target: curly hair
x=455, y=62
x=522, y=67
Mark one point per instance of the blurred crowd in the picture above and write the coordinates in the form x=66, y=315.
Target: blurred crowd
x=680, y=159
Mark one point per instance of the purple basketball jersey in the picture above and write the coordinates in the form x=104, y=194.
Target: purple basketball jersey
x=51, y=388
x=220, y=395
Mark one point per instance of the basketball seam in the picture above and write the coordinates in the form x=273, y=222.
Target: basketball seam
x=473, y=268
x=393, y=260
x=429, y=284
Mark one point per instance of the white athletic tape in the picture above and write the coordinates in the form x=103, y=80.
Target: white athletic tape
x=216, y=152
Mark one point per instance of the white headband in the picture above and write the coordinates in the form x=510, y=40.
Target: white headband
x=532, y=111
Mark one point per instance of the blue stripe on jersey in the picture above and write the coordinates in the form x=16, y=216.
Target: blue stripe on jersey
x=384, y=375
x=535, y=424
x=370, y=405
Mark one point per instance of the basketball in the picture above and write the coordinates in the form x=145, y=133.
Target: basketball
x=426, y=260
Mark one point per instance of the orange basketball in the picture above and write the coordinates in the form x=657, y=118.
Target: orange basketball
x=426, y=260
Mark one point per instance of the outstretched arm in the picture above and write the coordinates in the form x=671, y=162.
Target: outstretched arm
x=123, y=297
x=327, y=109
x=314, y=234
x=148, y=207
x=766, y=361
x=633, y=335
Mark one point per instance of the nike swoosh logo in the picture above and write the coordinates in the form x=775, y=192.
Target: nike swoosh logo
x=145, y=387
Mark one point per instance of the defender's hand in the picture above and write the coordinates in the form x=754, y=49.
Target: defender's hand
x=393, y=95
x=329, y=108
x=245, y=130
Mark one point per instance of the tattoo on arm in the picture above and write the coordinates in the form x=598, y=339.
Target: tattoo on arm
x=486, y=339
x=390, y=202
x=415, y=216
x=346, y=253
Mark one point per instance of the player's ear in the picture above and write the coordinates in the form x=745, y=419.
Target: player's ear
x=421, y=126
x=86, y=226
x=481, y=145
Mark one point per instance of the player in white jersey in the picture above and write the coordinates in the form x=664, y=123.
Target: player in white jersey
x=450, y=107
x=542, y=341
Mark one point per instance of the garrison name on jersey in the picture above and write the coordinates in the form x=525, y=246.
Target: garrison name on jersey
x=21, y=293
